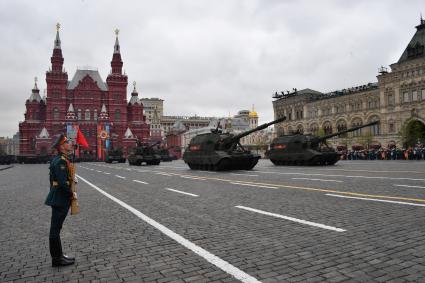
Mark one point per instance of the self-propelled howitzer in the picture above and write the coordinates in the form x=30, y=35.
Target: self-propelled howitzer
x=306, y=149
x=222, y=151
x=144, y=153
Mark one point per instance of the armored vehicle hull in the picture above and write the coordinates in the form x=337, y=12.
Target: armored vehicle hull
x=115, y=155
x=112, y=158
x=308, y=157
x=220, y=160
x=137, y=159
x=32, y=159
x=7, y=159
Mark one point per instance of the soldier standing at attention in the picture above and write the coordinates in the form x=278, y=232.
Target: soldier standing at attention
x=59, y=198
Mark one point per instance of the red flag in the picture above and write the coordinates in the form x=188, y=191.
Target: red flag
x=81, y=140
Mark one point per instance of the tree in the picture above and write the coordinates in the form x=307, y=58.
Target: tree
x=411, y=132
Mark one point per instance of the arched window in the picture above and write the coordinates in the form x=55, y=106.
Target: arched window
x=314, y=128
x=375, y=129
x=79, y=114
x=55, y=114
x=341, y=125
x=95, y=114
x=300, y=129
x=290, y=130
x=117, y=115
x=357, y=122
x=327, y=127
x=391, y=126
x=87, y=115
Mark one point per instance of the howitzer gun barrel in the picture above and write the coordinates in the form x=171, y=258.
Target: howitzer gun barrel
x=348, y=130
x=261, y=127
x=154, y=144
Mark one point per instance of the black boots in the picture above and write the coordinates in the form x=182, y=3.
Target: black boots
x=58, y=258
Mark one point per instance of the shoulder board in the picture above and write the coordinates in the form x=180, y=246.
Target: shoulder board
x=63, y=158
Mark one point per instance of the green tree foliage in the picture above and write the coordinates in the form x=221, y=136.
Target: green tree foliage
x=320, y=132
x=411, y=132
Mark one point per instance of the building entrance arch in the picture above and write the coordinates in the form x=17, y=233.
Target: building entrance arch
x=413, y=132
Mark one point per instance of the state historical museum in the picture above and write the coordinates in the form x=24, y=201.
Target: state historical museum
x=99, y=109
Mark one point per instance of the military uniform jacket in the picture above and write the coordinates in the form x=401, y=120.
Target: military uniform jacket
x=60, y=182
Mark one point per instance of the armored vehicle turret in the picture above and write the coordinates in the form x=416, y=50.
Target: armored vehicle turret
x=222, y=151
x=144, y=153
x=306, y=149
x=115, y=154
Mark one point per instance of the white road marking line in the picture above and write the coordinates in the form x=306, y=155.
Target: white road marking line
x=163, y=174
x=252, y=185
x=193, y=178
x=213, y=259
x=137, y=181
x=250, y=175
x=98, y=171
x=128, y=169
x=106, y=173
x=177, y=191
x=120, y=176
x=407, y=186
x=321, y=180
x=346, y=176
x=379, y=200
x=292, y=219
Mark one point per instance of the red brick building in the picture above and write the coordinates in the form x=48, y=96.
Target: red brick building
x=99, y=109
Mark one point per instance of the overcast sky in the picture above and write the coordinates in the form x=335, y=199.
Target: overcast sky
x=209, y=58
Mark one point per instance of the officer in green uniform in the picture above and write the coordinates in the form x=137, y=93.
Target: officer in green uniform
x=59, y=198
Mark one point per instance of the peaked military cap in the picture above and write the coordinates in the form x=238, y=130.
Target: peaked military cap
x=61, y=139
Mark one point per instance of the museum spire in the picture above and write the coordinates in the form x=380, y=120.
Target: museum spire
x=57, y=40
x=116, y=63
x=57, y=58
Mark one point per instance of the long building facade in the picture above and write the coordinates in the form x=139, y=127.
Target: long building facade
x=99, y=109
x=397, y=100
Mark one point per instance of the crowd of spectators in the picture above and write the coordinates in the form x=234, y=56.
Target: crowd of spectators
x=393, y=153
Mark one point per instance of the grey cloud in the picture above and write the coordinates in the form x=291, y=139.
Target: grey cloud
x=204, y=57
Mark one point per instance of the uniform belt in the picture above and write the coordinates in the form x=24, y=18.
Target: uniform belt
x=56, y=184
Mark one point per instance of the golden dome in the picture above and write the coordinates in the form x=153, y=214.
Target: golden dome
x=253, y=114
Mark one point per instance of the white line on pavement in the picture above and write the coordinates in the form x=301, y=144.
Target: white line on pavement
x=98, y=171
x=120, y=176
x=346, y=176
x=378, y=200
x=250, y=175
x=213, y=259
x=177, y=191
x=407, y=186
x=253, y=185
x=137, y=181
x=194, y=177
x=292, y=219
x=321, y=180
x=106, y=173
x=163, y=174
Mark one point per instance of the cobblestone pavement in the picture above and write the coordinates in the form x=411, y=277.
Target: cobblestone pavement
x=357, y=221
